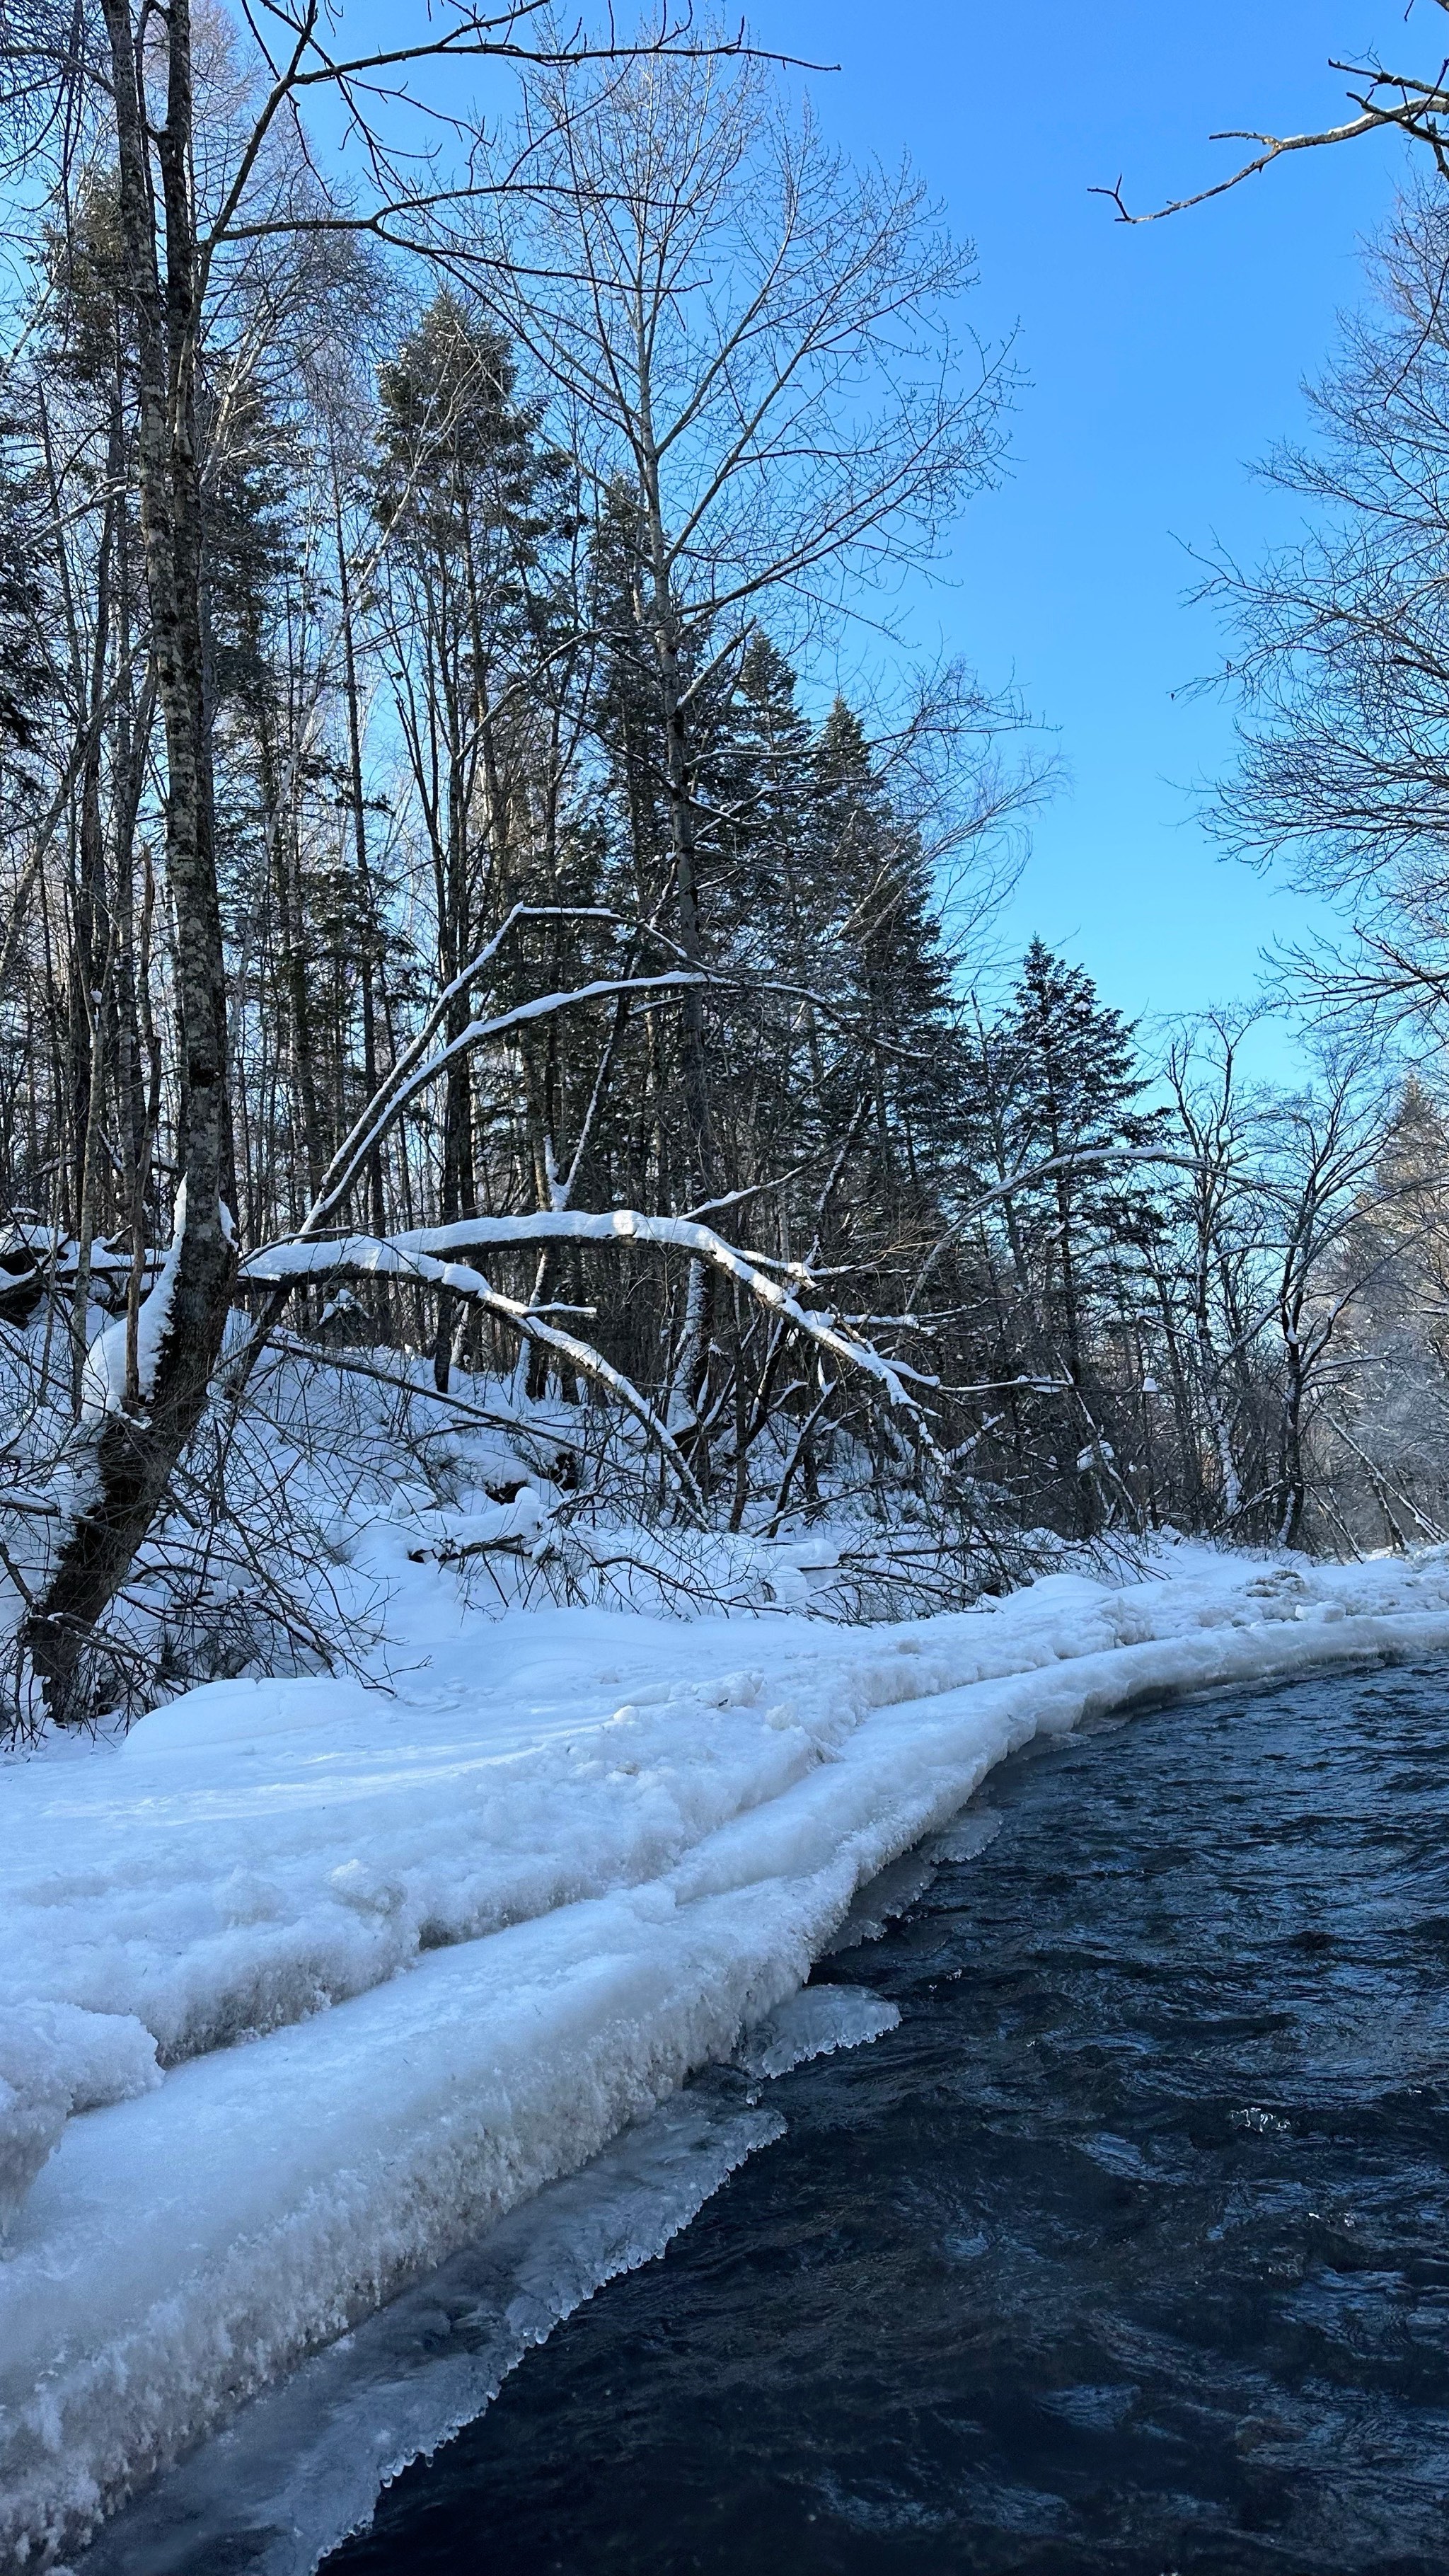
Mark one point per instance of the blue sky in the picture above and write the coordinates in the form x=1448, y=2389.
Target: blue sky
x=1162, y=361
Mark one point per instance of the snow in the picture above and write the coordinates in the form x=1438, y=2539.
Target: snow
x=410, y=1956
x=103, y=1379
x=56, y=2059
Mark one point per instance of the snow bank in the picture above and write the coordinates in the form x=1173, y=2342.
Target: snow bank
x=409, y=1958
x=56, y=2059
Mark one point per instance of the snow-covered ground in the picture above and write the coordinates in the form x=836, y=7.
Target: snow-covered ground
x=308, y=1983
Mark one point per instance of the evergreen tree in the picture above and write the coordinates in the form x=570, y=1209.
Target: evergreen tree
x=25, y=672
x=895, y=1050
x=1064, y=1065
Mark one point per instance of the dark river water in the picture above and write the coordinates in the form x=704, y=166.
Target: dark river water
x=1125, y=2251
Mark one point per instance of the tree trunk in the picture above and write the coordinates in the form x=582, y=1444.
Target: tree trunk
x=131, y=1456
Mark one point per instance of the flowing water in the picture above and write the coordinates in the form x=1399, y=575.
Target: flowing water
x=1125, y=2251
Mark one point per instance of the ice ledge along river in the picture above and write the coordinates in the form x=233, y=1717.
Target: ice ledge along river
x=1124, y=2251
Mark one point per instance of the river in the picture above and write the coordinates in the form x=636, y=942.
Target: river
x=1125, y=2251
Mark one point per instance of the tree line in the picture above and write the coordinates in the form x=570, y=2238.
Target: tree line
x=470, y=899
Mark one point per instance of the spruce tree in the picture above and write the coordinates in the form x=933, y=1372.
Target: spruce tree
x=1064, y=1065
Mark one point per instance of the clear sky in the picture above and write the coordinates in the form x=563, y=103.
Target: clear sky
x=1162, y=361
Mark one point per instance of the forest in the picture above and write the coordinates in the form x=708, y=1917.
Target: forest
x=499, y=991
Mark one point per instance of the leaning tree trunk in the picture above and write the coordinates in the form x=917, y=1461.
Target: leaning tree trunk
x=124, y=1459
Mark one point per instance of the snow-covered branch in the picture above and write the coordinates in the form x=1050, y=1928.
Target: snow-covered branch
x=422, y=1256
x=622, y=1228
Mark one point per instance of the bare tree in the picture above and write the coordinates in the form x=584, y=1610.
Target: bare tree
x=745, y=338
x=1340, y=660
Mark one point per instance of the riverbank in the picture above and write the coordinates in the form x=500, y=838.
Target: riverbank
x=405, y=1959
